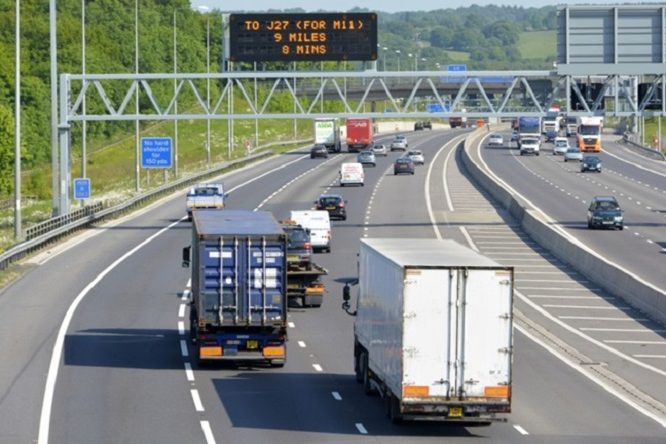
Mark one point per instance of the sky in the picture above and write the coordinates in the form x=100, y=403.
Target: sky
x=375, y=5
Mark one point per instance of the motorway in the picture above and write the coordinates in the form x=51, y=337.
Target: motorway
x=126, y=374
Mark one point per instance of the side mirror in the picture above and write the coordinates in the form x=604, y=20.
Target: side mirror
x=346, y=293
x=186, y=256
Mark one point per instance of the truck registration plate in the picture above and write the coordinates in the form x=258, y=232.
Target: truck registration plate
x=252, y=345
x=455, y=412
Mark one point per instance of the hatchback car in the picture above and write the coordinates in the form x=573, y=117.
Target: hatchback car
x=590, y=163
x=561, y=145
x=299, y=248
x=515, y=135
x=366, y=158
x=334, y=204
x=427, y=125
x=318, y=151
x=605, y=211
x=399, y=143
x=551, y=135
x=573, y=153
x=403, y=165
x=418, y=126
x=380, y=150
x=495, y=140
x=416, y=156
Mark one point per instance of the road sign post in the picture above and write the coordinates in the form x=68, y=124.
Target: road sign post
x=156, y=152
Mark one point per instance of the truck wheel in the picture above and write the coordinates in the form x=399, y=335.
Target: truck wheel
x=358, y=373
x=367, y=384
x=393, y=409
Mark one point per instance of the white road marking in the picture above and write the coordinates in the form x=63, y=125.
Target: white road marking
x=291, y=325
x=189, y=374
x=181, y=328
x=622, y=341
x=183, y=348
x=189, y=283
x=521, y=430
x=301, y=344
x=56, y=354
x=586, y=307
x=361, y=429
x=624, y=330
x=317, y=367
x=185, y=296
x=181, y=310
x=650, y=356
x=336, y=396
x=552, y=296
x=560, y=288
x=198, y=406
x=597, y=318
x=208, y=432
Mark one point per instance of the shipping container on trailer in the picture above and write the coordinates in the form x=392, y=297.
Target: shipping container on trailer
x=238, y=309
x=433, y=330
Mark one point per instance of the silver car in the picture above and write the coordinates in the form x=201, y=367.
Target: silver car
x=399, y=143
x=416, y=156
x=380, y=150
x=573, y=153
x=495, y=140
x=561, y=145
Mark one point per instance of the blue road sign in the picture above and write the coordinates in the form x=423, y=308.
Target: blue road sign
x=156, y=152
x=455, y=68
x=438, y=108
x=82, y=188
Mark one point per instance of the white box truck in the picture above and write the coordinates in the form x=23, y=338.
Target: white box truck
x=327, y=133
x=433, y=330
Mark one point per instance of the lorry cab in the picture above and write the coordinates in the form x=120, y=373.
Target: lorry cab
x=351, y=173
x=319, y=225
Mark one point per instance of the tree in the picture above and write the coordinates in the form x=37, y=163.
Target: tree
x=6, y=149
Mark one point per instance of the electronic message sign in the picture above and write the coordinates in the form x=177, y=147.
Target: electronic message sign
x=302, y=37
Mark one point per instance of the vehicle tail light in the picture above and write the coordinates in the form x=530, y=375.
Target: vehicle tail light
x=342, y=205
x=328, y=234
x=308, y=246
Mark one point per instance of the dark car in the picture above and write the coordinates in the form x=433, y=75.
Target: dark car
x=403, y=165
x=334, y=204
x=590, y=163
x=318, y=151
x=551, y=135
x=418, y=126
x=299, y=248
x=427, y=125
x=605, y=211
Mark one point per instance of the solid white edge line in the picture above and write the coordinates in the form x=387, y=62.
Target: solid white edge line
x=56, y=354
x=360, y=428
x=336, y=396
x=208, y=432
x=640, y=409
x=198, y=406
x=189, y=374
x=521, y=430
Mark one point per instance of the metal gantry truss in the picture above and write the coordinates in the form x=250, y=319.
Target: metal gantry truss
x=240, y=95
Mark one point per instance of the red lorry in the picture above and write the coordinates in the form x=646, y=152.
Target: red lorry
x=359, y=134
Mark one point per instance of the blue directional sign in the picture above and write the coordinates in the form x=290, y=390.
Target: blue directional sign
x=437, y=108
x=455, y=68
x=82, y=188
x=156, y=152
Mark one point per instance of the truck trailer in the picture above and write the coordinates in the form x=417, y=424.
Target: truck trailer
x=327, y=133
x=359, y=134
x=238, y=308
x=433, y=330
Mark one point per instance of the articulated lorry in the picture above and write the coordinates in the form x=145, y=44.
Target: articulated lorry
x=359, y=134
x=433, y=330
x=327, y=133
x=529, y=127
x=238, y=309
x=589, y=134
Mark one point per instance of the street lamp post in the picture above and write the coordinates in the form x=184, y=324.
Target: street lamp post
x=397, y=51
x=137, y=169
x=205, y=10
x=84, y=124
x=175, y=91
x=384, y=48
x=17, y=127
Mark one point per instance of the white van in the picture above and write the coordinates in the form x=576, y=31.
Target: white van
x=319, y=225
x=351, y=173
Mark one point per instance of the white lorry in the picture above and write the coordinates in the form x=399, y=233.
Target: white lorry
x=327, y=133
x=204, y=195
x=433, y=330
